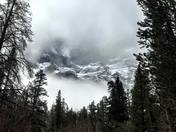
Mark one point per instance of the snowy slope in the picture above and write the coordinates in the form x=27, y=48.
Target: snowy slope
x=54, y=61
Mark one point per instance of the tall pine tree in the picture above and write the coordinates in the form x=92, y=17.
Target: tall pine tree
x=118, y=112
x=52, y=119
x=39, y=106
x=143, y=106
x=93, y=115
x=157, y=34
x=59, y=111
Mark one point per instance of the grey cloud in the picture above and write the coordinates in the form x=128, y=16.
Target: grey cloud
x=91, y=30
x=98, y=29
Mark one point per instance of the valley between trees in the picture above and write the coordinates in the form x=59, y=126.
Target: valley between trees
x=148, y=107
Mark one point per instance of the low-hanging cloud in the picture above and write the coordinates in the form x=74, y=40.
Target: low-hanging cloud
x=76, y=93
x=95, y=29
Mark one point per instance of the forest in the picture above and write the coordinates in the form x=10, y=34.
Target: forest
x=150, y=106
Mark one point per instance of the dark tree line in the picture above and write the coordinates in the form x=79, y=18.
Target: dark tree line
x=108, y=115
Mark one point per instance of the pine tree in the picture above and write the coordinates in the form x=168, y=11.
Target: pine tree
x=93, y=115
x=52, y=119
x=118, y=112
x=140, y=101
x=157, y=35
x=102, y=114
x=83, y=114
x=143, y=114
x=59, y=111
x=71, y=118
x=39, y=106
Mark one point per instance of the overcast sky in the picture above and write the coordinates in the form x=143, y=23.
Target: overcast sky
x=96, y=29
x=91, y=30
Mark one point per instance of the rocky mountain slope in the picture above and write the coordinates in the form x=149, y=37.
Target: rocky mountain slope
x=53, y=60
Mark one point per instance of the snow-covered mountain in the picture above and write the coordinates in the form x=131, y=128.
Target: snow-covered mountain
x=54, y=60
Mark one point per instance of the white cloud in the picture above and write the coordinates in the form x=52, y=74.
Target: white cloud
x=77, y=93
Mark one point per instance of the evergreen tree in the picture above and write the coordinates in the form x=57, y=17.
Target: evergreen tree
x=118, y=104
x=71, y=118
x=52, y=119
x=39, y=106
x=83, y=114
x=143, y=114
x=93, y=115
x=59, y=111
x=102, y=114
x=64, y=112
x=157, y=35
x=60, y=117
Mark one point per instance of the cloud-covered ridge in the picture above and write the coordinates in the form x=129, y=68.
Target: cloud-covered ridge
x=94, y=29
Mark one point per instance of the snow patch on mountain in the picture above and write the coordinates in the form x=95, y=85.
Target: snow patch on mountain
x=53, y=60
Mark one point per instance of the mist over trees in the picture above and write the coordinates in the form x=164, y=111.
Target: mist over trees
x=110, y=114
x=149, y=107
